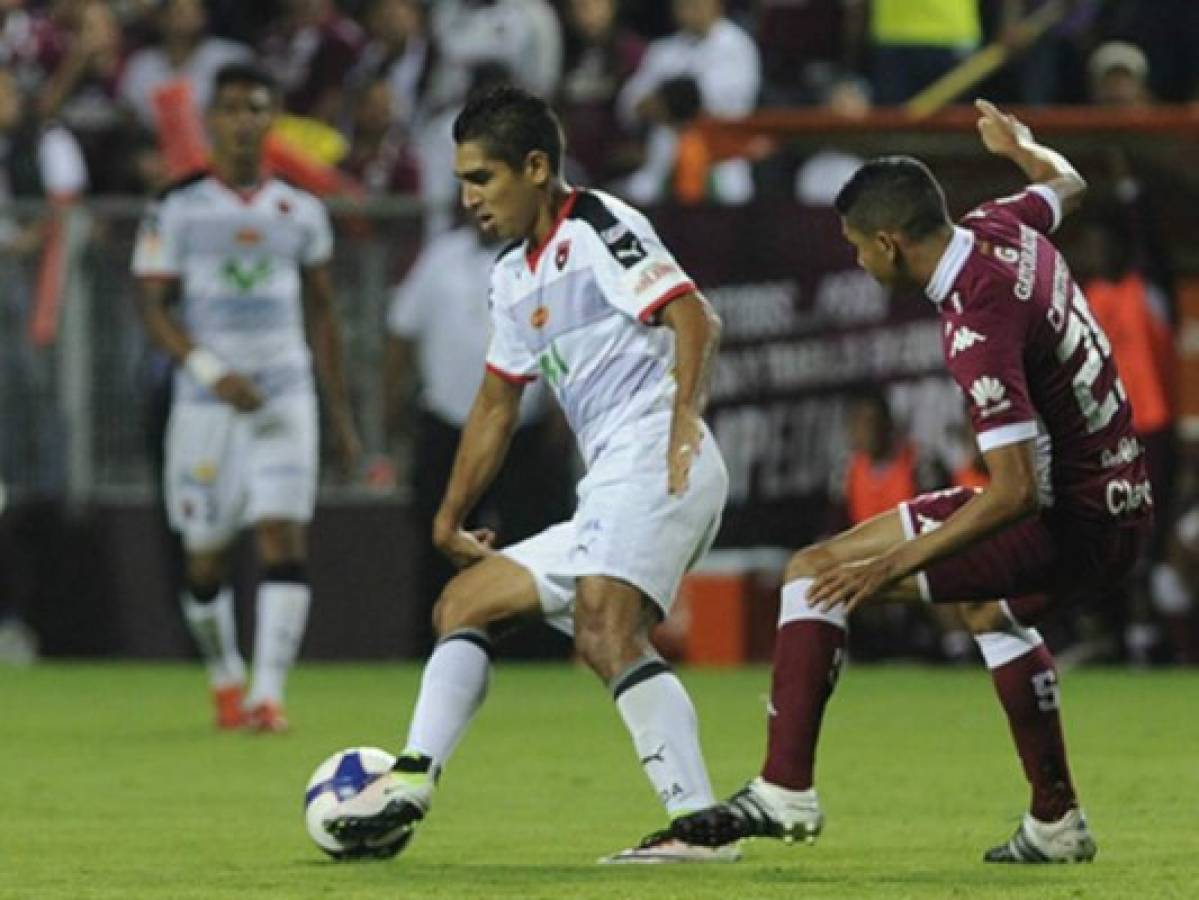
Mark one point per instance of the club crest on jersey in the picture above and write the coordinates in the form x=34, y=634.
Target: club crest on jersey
x=540, y=316
x=963, y=339
x=989, y=395
x=562, y=254
x=284, y=207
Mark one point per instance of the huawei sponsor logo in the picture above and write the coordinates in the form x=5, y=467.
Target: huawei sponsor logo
x=989, y=395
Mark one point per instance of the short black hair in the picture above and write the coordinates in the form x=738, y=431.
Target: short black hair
x=894, y=193
x=511, y=124
x=243, y=73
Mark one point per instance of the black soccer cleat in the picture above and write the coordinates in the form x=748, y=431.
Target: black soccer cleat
x=759, y=809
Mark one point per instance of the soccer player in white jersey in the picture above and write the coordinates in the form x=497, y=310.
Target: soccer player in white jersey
x=587, y=298
x=246, y=257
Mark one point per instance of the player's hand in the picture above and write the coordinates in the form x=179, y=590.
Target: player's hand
x=463, y=548
x=238, y=391
x=853, y=585
x=686, y=435
x=1001, y=133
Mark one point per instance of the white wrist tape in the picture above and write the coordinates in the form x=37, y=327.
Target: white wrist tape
x=205, y=366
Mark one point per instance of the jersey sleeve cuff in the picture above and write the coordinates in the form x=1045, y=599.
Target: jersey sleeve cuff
x=1049, y=195
x=647, y=315
x=510, y=377
x=1006, y=434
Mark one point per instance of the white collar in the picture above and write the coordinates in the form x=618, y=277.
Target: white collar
x=950, y=266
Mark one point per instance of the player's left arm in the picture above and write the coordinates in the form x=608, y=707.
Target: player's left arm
x=696, y=327
x=1010, y=497
x=324, y=336
x=1005, y=135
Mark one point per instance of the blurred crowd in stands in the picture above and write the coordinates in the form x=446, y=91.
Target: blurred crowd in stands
x=374, y=84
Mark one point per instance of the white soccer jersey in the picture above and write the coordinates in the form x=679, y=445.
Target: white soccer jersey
x=239, y=255
x=579, y=311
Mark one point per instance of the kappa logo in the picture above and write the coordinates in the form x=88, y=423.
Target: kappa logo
x=562, y=254
x=925, y=524
x=963, y=339
x=989, y=395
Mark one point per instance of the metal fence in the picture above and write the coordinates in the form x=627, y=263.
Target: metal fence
x=81, y=415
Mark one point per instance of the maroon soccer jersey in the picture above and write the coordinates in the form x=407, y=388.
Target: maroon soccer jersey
x=1022, y=344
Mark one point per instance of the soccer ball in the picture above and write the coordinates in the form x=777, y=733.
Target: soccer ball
x=339, y=778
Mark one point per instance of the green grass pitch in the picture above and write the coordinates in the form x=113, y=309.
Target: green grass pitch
x=115, y=786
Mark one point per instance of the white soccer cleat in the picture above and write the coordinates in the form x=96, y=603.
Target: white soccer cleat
x=760, y=809
x=1064, y=841
x=390, y=805
x=662, y=847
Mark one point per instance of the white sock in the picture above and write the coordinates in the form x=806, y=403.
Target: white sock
x=213, y=629
x=1170, y=594
x=794, y=606
x=665, y=730
x=451, y=691
x=282, y=615
x=1001, y=647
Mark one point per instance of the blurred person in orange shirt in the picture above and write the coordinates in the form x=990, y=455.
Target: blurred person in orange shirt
x=884, y=470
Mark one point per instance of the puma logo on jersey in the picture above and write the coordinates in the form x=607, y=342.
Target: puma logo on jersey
x=963, y=339
x=989, y=395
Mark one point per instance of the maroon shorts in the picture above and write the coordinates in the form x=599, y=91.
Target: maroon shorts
x=1065, y=559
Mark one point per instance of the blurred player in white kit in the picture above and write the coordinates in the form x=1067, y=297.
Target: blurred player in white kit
x=245, y=257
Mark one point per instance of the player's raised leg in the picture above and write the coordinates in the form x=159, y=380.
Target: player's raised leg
x=284, y=597
x=207, y=602
x=452, y=689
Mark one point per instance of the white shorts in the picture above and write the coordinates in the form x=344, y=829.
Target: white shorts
x=226, y=469
x=628, y=527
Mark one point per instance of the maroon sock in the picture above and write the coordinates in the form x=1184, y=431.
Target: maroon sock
x=1028, y=689
x=807, y=658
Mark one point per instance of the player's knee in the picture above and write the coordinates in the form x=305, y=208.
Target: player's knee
x=809, y=562
x=280, y=543
x=205, y=575
x=983, y=616
x=456, y=608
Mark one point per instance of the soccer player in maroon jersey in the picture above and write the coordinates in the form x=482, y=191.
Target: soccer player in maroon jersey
x=1064, y=518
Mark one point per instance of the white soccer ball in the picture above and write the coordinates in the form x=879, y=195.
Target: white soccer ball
x=339, y=778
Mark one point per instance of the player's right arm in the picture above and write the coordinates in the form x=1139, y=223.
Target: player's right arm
x=1006, y=136
x=156, y=265
x=481, y=452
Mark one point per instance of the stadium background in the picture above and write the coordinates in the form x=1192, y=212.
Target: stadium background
x=85, y=563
